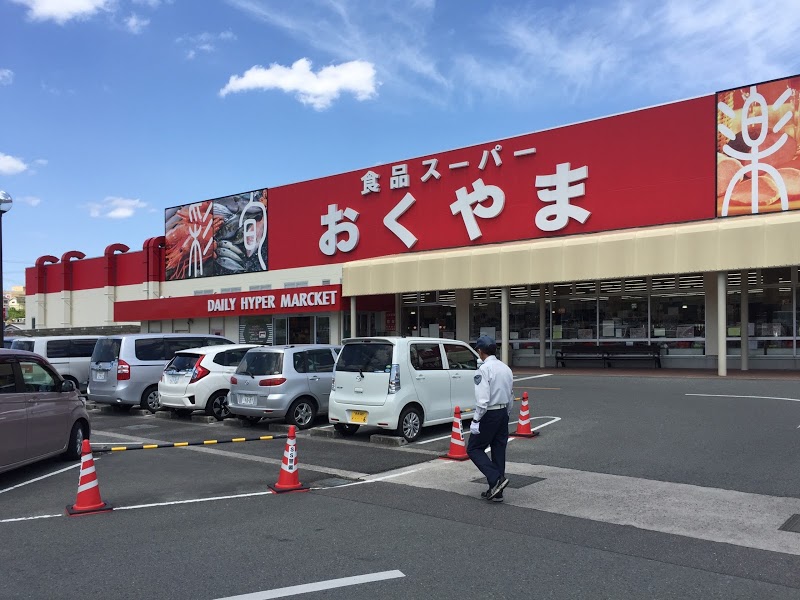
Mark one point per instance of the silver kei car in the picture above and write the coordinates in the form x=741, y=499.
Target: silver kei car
x=291, y=382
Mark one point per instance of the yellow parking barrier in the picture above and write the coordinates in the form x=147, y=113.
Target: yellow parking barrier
x=98, y=448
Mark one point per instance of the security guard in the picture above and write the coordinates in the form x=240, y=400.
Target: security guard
x=494, y=400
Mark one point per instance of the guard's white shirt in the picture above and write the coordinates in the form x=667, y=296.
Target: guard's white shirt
x=494, y=386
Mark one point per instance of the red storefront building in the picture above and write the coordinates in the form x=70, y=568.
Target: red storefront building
x=616, y=231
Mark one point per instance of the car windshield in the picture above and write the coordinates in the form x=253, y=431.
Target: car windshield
x=366, y=358
x=261, y=363
x=23, y=345
x=182, y=362
x=106, y=350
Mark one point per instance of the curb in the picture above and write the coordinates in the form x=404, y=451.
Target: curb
x=387, y=440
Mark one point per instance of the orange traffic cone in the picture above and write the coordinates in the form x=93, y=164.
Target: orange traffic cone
x=458, y=450
x=88, y=500
x=524, y=424
x=289, y=478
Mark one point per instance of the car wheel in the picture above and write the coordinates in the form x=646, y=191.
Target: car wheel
x=150, y=399
x=346, y=429
x=75, y=444
x=217, y=405
x=302, y=413
x=410, y=423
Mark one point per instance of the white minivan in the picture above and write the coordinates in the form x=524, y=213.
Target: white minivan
x=401, y=383
x=69, y=354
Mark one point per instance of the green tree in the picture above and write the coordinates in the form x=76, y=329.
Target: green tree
x=15, y=313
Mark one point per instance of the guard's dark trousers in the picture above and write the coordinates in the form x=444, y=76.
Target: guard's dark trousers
x=494, y=434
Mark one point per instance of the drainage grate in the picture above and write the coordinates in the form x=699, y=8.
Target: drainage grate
x=792, y=524
x=515, y=481
x=333, y=482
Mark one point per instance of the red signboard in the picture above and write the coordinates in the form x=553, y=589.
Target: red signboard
x=291, y=300
x=648, y=167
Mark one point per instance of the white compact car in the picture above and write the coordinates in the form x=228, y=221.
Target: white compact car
x=200, y=379
x=401, y=383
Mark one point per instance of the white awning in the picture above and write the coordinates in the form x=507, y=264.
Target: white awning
x=726, y=244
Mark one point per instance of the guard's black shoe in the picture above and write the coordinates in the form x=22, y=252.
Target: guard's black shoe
x=498, y=498
x=497, y=489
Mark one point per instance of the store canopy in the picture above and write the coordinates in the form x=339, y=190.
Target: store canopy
x=725, y=244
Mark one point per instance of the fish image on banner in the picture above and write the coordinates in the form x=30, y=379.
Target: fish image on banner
x=189, y=232
x=226, y=236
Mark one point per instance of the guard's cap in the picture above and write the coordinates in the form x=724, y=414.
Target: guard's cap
x=486, y=343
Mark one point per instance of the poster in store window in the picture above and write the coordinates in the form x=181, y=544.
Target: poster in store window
x=758, y=167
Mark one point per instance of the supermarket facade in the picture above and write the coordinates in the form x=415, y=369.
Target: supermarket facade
x=631, y=229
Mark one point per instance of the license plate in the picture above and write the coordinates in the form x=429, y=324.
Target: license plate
x=247, y=400
x=358, y=416
x=99, y=375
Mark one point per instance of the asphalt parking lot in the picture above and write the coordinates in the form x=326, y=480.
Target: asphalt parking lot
x=637, y=486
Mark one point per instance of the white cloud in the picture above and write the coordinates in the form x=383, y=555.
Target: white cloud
x=580, y=50
x=396, y=36
x=150, y=3
x=113, y=207
x=62, y=11
x=11, y=165
x=31, y=200
x=136, y=24
x=6, y=76
x=204, y=42
x=672, y=49
x=317, y=89
x=42, y=162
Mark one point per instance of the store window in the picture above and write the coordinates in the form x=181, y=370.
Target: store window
x=623, y=318
x=428, y=314
x=322, y=330
x=771, y=306
x=255, y=330
x=485, y=317
x=574, y=320
x=677, y=322
x=300, y=330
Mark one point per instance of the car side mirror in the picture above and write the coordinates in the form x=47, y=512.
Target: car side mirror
x=68, y=386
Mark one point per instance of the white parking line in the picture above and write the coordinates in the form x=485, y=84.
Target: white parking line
x=532, y=377
x=19, y=485
x=330, y=584
x=754, y=397
x=447, y=437
x=194, y=500
x=29, y=518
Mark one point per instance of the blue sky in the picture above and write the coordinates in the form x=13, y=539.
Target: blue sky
x=112, y=110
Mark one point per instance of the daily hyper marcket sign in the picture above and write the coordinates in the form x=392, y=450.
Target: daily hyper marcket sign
x=292, y=300
x=648, y=167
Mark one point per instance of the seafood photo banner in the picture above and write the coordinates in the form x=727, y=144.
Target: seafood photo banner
x=226, y=236
x=758, y=166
